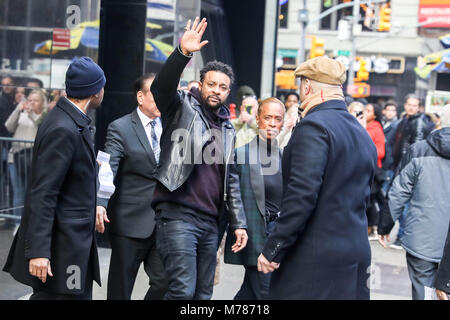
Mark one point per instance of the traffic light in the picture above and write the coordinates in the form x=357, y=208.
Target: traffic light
x=285, y=79
x=316, y=47
x=384, y=19
x=362, y=74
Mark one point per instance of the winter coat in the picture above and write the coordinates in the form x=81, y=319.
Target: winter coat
x=320, y=238
x=424, y=182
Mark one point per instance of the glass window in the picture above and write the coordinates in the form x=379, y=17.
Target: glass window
x=39, y=38
x=372, y=17
x=166, y=20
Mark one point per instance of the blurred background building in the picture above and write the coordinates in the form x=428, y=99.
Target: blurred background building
x=39, y=38
x=401, y=45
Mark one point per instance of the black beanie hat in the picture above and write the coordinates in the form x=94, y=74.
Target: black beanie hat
x=84, y=78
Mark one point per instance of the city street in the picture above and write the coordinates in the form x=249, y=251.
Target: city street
x=392, y=282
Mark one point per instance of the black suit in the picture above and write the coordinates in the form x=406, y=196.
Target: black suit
x=59, y=216
x=132, y=218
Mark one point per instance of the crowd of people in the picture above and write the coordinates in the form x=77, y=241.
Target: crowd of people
x=297, y=188
x=23, y=105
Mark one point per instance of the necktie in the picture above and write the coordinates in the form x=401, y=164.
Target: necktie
x=155, y=143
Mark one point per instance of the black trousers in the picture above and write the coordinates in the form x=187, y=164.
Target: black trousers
x=87, y=295
x=126, y=257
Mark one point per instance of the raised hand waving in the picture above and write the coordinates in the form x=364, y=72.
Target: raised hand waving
x=191, y=40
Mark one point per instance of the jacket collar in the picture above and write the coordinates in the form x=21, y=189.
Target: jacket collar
x=80, y=119
x=329, y=105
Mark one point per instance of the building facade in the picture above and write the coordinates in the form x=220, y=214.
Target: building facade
x=390, y=41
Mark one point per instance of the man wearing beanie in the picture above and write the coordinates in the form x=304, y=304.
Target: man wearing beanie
x=54, y=250
x=319, y=248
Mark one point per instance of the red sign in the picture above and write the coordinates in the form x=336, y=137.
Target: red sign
x=61, y=38
x=359, y=90
x=434, y=13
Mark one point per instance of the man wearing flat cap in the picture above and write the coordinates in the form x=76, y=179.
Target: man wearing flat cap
x=54, y=251
x=319, y=248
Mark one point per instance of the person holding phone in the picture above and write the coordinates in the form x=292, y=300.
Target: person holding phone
x=245, y=124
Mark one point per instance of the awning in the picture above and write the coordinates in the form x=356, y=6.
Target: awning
x=436, y=61
x=87, y=33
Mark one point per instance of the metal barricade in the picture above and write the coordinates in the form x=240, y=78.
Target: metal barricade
x=15, y=167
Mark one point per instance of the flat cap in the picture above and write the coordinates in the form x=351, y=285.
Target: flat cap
x=322, y=69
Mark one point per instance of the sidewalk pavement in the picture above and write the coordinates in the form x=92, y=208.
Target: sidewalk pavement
x=390, y=279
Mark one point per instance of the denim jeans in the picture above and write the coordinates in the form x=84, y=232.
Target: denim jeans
x=188, y=253
x=422, y=274
x=18, y=189
x=256, y=284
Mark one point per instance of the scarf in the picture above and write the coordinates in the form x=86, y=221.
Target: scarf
x=321, y=96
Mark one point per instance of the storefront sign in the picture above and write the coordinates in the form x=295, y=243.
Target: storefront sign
x=61, y=38
x=436, y=100
x=383, y=64
x=434, y=13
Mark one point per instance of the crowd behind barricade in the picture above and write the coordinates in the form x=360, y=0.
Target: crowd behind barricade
x=24, y=103
x=293, y=184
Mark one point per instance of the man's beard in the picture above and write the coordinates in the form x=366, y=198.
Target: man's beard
x=215, y=106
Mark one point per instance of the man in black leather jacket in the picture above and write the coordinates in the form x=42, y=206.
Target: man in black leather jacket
x=413, y=127
x=197, y=181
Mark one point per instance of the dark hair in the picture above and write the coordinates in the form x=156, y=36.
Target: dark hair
x=217, y=66
x=363, y=101
x=6, y=76
x=38, y=81
x=411, y=96
x=390, y=103
x=377, y=111
x=291, y=94
x=140, y=82
x=348, y=99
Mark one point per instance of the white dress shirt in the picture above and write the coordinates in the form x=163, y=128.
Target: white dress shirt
x=148, y=128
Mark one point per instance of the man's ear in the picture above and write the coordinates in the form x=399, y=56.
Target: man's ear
x=139, y=97
x=308, y=87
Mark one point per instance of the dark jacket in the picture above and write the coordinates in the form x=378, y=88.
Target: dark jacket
x=180, y=110
x=59, y=215
x=442, y=281
x=424, y=182
x=253, y=198
x=134, y=165
x=320, y=238
x=6, y=108
x=409, y=131
x=389, y=130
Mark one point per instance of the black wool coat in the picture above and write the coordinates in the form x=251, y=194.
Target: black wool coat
x=59, y=214
x=320, y=238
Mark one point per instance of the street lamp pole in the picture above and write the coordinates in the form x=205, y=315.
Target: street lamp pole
x=303, y=19
x=351, y=70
